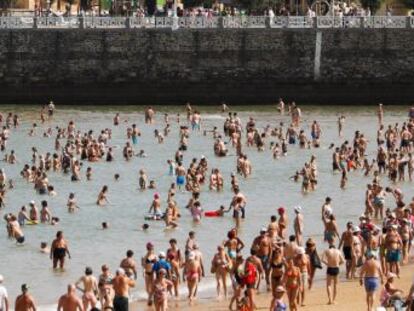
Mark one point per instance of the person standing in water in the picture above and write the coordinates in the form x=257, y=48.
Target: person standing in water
x=58, y=251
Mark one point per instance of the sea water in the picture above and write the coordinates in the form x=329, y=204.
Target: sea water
x=268, y=188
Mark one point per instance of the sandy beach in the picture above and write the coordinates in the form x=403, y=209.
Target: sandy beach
x=351, y=296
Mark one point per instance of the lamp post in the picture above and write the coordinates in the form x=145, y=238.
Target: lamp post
x=175, y=17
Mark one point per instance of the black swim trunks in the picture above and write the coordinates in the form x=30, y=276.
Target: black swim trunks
x=120, y=303
x=347, y=252
x=332, y=271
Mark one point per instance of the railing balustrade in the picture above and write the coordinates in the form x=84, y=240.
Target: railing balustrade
x=234, y=22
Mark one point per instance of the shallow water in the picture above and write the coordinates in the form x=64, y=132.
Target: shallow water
x=268, y=188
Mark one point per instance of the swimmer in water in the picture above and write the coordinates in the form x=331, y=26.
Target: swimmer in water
x=71, y=204
x=102, y=197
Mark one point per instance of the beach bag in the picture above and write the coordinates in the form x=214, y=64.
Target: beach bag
x=250, y=274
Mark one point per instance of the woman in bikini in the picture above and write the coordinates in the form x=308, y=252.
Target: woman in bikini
x=277, y=265
x=292, y=281
x=175, y=259
x=220, y=266
x=160, y=290
x=147, y=263
x=192, y=275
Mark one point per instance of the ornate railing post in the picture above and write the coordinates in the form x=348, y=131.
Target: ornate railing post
x=221, y=22
x=35, y=22
x=81, y=22
x=362, y=22
x=128, y=23
x=315, y=22
x=408, y=22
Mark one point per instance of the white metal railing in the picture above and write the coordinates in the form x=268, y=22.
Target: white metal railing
x=198, y=22
x=104, y=22
x=57, y=22
x=245, y=22
x=385, y=22
x=12, y=22
x=141, y=22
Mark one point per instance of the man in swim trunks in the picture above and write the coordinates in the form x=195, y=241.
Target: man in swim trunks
x=369, y=275
x=393, y=245
x=332, y=258
x=70, y=301
x=346, y=242
x=263, y=246
x=121, y=284
x=180, y=173
x=58, y=250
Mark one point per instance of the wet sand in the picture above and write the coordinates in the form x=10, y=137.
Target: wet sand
x=351, y=296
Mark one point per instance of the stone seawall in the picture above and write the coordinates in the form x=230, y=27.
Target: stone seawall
x=138, y=66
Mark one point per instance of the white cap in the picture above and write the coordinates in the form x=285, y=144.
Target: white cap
x=203, y=157
x=161, y=255
x=300, y=251
x=1, y=278
x=298, y=209
x=391, y=275
x=32, y=202
x=120, y=271
x=264, y=229
x=356, y=229
x=191, y=256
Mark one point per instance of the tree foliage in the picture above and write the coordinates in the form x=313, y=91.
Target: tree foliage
x=409, y=4
x=5, y=4
x=373, y=5
x=198, y=3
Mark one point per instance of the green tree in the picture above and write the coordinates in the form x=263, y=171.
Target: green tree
x=5, y=5
x=373, y=5
x=198, y=3
x=409, y=4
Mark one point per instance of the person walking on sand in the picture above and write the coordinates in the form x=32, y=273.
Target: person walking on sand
x=370, y=276
x=192, y=275
x=332, y=258
x=160, y=290
x=70, y=301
